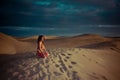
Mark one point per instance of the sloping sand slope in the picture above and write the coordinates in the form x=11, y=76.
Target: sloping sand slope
x=63, y=64
x=83, y=57
x=9, y=45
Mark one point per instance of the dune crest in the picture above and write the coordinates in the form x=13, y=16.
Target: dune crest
x=35, y=38
x=77, y=41
x=6, y=44
x=9, y=45
x=15, y=45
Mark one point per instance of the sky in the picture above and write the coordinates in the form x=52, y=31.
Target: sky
x=59, y=13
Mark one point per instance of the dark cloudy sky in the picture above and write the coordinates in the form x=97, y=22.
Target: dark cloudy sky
x=49, y=13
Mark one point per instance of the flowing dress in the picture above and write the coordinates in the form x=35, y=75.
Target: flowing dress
x=42, y=55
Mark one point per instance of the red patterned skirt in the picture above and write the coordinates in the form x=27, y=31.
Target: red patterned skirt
x=42, y=55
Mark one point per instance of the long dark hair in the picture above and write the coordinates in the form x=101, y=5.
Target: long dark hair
x=40, y=38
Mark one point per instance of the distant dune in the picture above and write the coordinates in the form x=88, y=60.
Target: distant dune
x=22, y=45
x=82, y=57
x=35, y=38
x=9, y=45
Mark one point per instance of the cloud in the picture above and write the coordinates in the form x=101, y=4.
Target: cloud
x=43, y=3
x=99, y=3
x=39, y=12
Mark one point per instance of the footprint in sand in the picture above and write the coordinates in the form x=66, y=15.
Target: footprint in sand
x=63, y=54
x=70, y=66
x=69, y=54
x=57, y=73
x=61, y=70
x=72, y=62
x=65, y=60
x=84, y=55
x=75, y=75
x=53, y=61
x=74, y=71
x=59, y=61
x=96, y=62
x=67, y=57
x=56, y=65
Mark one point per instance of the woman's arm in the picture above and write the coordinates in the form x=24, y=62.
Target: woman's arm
x=40, y=47
x=44, y=48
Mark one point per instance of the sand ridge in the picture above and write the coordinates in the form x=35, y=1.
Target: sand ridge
x=10, y=45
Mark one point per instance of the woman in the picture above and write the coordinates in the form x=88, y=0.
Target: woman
x=41, y=50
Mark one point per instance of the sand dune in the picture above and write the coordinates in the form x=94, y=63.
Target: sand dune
x=75, y=41
x=9, y=45
x=63, y=64
x=35, y=38
x=12, y=45
x=83, y=57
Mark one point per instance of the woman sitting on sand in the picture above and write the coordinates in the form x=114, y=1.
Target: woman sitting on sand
x=41, y=50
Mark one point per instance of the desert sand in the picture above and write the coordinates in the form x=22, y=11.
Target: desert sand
x=82, y=57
